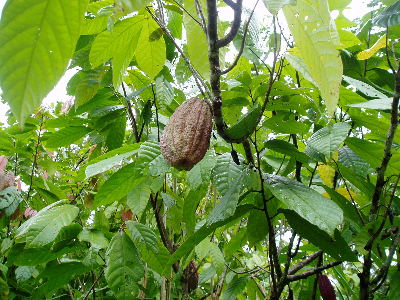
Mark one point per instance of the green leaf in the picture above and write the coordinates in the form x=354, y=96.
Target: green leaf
x=164, y=92
x=381, y=104
x=43, y=228
x=138, y=197
x=66, y=237
x=225, y=173
x=235, y=287
x=133, y=5
x=286, y=148
x=364, y=88
x=316, y=40
x=118, y=185
x=151, y=50
x=196, y=39
x=201, y=173
x=328, y=139
x=257, y=227
x=96, y=238
x=309, y=204
x=42, y=34
x=142, y=234
x=189, y=244
x=107, y=164
x=275, y=5
x=124, y=268
x=389, y=17
x=206, y=248
x=119, y=44
x=9, y=200
x=57, y=275
x=336, y=247
x=278, y=123
x=246, y=124
x=66, y=136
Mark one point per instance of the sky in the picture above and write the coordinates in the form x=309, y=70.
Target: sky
x=356, y=9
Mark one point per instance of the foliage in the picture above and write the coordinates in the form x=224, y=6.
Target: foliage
x=300, y=181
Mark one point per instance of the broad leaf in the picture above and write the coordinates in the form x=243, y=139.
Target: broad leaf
x=43, y=228
x=381, y=104
x=124, y=268
x=189, y=244
x=66, y=136
x=316, y=40
x=142, y=234
x=118, y=185
x=286, y=148
x=309, y=204
x=107, y=164
x=245, y=126
x=196, y=39
x=328, y=139
x=336, y=247
x=389, y=17
x=364, y=88
x=42, y=34
x=151, y=51
x=366, y=54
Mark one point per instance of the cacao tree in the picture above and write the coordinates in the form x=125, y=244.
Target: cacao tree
x=286, y=160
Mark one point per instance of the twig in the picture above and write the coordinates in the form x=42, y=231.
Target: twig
x=93, y=285
x=131, y=115
x=198, y=79
x=245, y=31
x=304, y=275
x=305, y=262
x=237, y=18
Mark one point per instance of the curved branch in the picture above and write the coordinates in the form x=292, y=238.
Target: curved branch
x=304, y=275
x=237, y=18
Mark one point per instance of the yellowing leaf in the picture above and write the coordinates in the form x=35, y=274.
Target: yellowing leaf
x=347, y=194
x=381, y=43
x=327, y=173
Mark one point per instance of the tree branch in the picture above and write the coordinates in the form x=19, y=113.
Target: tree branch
x=304, y=275
x=237, y=18
x=305, y=262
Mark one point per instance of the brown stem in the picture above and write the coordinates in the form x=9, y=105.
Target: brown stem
x=305, y=262
x=304, y=275
x=237, y=18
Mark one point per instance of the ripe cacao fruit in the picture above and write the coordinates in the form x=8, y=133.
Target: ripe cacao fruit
x=186, y=137
x=325, y=288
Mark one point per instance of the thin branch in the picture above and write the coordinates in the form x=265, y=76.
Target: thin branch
x=382, y=273
x=35, y=158
x=200, y=13
x=186, y=11
x=245, y=31
x=198, y=79
x=131, y=114
x=305, y=262
x=304, y=275
x=93, y=285
x=237, y=18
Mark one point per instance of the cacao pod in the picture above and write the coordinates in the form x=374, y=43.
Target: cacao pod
x=190, y=278
x=186, y=137
x=325, y=288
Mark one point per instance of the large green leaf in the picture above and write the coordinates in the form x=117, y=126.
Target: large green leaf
x=309, y=204
x=389, y=17
x=336, y=247
x=316, y=41
x=142, y=234
x=44, y=227
x=364, y=88
x=328, y=139
x=37, y=39
x=189, y=244
x=124, y=267
x=225, y=173
x=151, y=50
x=57, y=275
x=118, y=185
x=287, y=148
x=119, y=44
x=246, y=124
x=206, y=248
x=235, y=287
x=66, y=136
x=196, y=38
